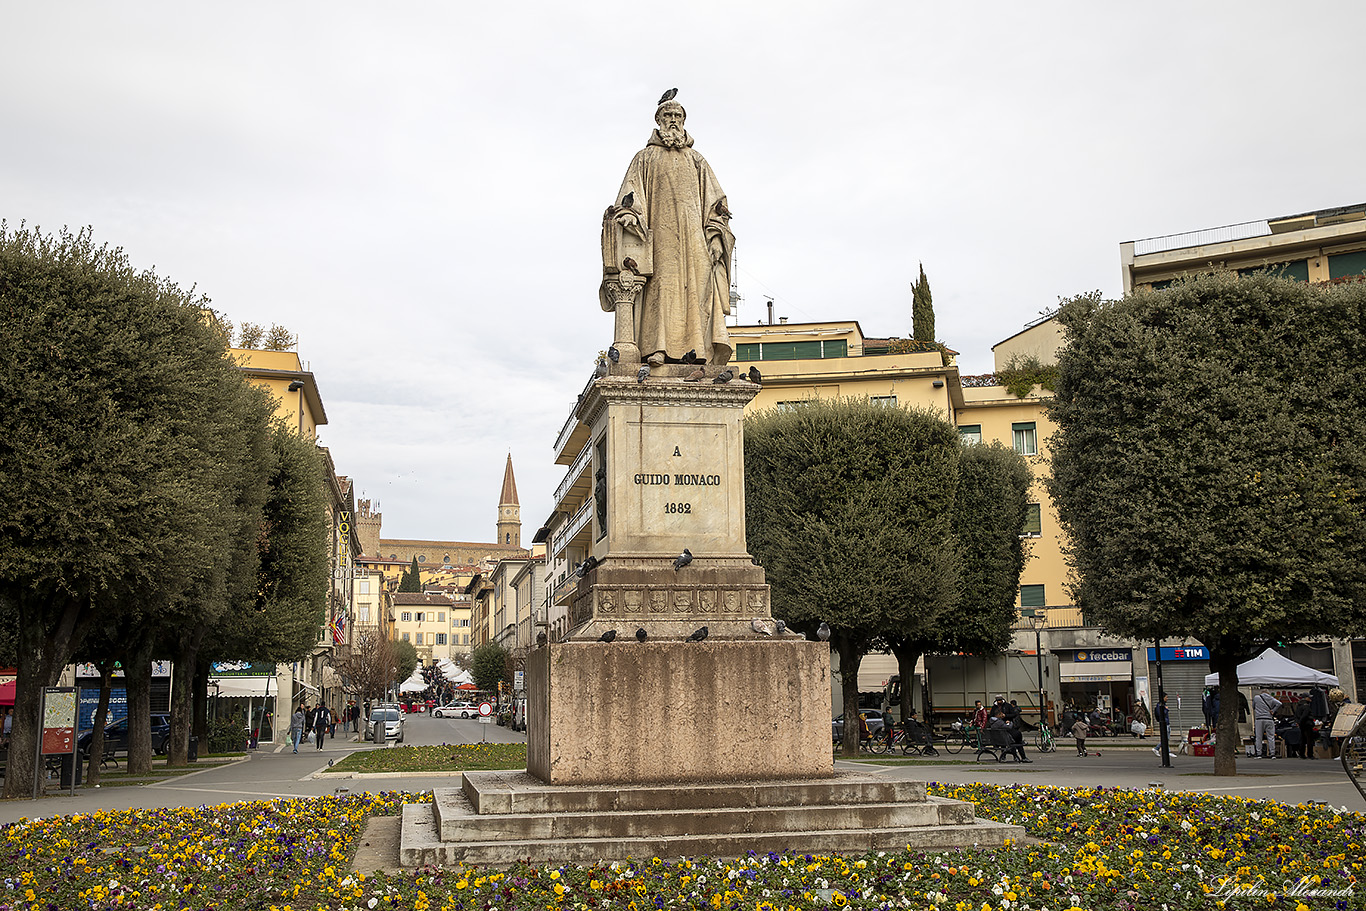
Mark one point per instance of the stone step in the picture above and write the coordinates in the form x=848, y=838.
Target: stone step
x=517, y=792
x=420, y=844
x=457, y=821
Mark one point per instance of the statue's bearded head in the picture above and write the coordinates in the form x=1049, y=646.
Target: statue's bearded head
x=670, y=118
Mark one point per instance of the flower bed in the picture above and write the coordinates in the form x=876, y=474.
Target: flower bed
x=1100, y=849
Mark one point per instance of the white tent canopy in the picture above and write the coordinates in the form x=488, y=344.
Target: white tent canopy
x=414, y=684
x=1271, y=668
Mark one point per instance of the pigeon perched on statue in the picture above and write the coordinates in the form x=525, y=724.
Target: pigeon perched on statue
x=642, y=373
x=667, y=96
x=823, y=632
x=754, y=376
x=608, y=636
x=696, y=376
x=641, y=635
x=720, y=208
x=725, y=376
x=628, y=201
x=682, y=559
x=601, y=370
x=699, y=635
x=761, y=626
x=614, y=355
x=780, y=626
x=689, y=358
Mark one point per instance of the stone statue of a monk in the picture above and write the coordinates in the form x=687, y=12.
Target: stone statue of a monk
x=671, y=213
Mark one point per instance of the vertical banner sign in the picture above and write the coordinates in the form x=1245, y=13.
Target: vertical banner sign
x=59, y=719
x=344, y=573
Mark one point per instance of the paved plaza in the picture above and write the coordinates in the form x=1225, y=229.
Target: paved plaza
x=274, y=771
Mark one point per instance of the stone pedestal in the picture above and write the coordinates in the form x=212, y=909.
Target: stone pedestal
x=630, y=712
x=505, y=817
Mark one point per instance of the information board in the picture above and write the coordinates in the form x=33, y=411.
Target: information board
x=59, y=719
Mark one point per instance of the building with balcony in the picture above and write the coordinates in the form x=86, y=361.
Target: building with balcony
x=1325, y=245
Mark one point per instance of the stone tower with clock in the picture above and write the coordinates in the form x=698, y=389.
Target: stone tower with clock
x=509, y=512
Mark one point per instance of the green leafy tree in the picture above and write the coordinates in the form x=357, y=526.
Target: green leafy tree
x=405, y=659
x=277, y=593
x=848, y=508
x=1208, y=462
x=988, y=517
x=488, y=665
x=109, y=379
x=412, y=579
x=922, y=309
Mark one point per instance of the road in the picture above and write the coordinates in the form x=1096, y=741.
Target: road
x=278, y=772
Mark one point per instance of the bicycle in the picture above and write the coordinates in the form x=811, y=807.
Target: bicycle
x=963, y=735
x=1043, y=739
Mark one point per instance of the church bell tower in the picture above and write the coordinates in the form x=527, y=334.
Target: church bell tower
x=509, y=512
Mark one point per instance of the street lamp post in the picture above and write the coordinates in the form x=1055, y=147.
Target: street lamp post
x=1037, y=618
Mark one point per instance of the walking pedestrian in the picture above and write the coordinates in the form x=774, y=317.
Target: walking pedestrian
x=296, y=727
x=1163, y=730
x=320, y=717
x=1079, y=731
x=1264, y=707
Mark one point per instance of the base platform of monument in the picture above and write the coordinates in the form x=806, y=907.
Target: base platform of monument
x=504, y=817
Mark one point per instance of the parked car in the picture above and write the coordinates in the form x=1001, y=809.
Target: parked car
x=875, y=722
x=456, y=710
x=116, y=736
x=391, y=718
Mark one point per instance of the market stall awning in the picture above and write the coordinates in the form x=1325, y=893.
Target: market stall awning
x=1271, y=668
x=243, y=686
x=1094, y=671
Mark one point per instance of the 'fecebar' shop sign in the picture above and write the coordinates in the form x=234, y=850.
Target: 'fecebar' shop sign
x=1114, y=654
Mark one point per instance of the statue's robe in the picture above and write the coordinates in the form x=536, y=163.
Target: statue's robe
x=685, y=302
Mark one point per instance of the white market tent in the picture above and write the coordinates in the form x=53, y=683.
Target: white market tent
x=1271, y=668
x=414, y=684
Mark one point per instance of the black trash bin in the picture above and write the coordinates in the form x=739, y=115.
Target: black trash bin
x=71, y=767
x=193, y=754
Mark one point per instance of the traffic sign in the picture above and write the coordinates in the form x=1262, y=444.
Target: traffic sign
x=485, y=709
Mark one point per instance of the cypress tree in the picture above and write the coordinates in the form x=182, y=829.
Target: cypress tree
x=922, y=309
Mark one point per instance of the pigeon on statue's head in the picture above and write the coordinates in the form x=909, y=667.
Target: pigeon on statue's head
x=667, y=96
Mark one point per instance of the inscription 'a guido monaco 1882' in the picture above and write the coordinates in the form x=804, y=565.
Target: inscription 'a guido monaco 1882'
x=680, y=480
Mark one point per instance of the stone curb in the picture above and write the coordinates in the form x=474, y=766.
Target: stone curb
x=371, y=775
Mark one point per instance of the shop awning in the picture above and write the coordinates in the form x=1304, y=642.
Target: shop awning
x=243, y=686
x=1094, y=671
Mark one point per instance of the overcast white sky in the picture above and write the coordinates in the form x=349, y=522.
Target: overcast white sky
x=416, y=189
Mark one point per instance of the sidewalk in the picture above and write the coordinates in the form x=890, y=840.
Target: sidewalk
x=275, y=771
